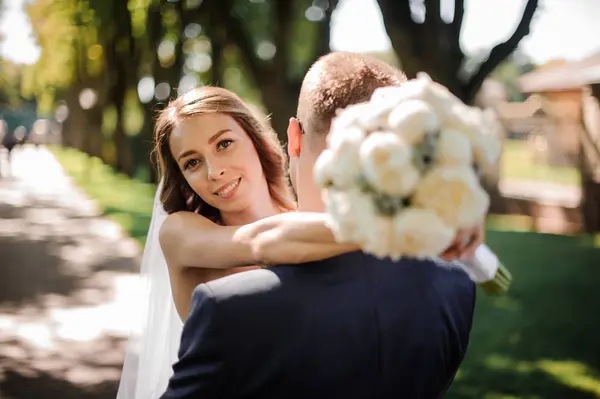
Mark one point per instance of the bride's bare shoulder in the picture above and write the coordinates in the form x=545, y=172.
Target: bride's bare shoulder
x=177, y=222
x=177, y=226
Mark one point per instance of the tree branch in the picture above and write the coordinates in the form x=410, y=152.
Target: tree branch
x=500, y=52
x=400, y=28
x=456, y=55
x=282, y=37
x=323, y=46
x=459, y=14
x=433, y=13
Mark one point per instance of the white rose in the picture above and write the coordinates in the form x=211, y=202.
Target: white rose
x=389, y=97
x=349, y=116
x=340, y=166
x=478, y=128
x=324, y=169
x=412, y=119
x=379, y=238
x=387, y=164
x=453, y=149
x=373, y=117
x=421, y=233
x=476, y=125
x=341, y=137
x=486, y=151
x=351, y=213
x=445, y=104
x=454, y=194
x=367, y=116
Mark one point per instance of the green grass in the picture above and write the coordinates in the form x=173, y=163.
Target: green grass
x=127, y=201
x=517, y=163
x=539, y=341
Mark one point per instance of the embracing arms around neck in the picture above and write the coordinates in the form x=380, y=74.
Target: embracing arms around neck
x=189, y=240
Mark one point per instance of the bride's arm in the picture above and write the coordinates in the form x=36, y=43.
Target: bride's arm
x=297, y=237
x=191, y=240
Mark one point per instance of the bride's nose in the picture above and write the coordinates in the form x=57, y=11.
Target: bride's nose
x=215, y=170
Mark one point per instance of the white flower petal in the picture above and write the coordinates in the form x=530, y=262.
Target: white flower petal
x=421, y=233
x=454, y=194
x=351, y=214
x=387, y=164
x=453, y=149
x=412, y=119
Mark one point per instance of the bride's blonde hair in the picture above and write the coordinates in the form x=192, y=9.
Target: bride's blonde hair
x=176, y=194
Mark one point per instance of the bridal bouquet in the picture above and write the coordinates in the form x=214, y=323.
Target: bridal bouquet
x=400, y=175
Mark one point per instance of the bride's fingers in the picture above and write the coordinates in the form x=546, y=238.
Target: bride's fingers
x=464, y=244
x=451, y=253
x=476, y=238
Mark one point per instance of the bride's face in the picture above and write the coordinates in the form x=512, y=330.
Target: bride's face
x=218, y=160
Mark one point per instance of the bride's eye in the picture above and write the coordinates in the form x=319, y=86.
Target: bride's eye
x=192, y=163
x=223, y=144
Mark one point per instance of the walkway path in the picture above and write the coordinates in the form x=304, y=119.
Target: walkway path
x=66, y=286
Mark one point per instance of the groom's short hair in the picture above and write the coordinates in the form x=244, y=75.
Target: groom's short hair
x=337, y=80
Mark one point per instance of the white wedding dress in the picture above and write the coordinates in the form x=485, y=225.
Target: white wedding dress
x=155, y=336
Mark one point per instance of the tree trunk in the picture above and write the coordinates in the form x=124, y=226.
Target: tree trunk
x=74, y=126
x=94, y=141
x=590, y=195
x=279, y=89
x=124, y=161
x=281, y=101
x=589, y=168
x=120, y=54
x=433, y=46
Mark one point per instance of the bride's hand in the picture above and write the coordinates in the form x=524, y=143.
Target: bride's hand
x=465, y=243
x=298, y=237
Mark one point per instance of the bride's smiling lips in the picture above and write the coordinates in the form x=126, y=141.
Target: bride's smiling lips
x=228, y=190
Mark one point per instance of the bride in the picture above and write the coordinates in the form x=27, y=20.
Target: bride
x=224, y=205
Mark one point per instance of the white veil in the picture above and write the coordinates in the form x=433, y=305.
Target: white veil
x=154, y=341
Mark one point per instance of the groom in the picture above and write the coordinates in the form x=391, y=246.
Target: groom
x=352, y=326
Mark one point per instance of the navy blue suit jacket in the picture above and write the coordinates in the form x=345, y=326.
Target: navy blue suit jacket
x=352, y=326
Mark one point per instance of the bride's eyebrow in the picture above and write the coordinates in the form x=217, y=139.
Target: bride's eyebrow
x=185, y=154
x=216, y=136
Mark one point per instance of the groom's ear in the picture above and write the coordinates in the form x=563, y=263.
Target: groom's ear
x=294, y=135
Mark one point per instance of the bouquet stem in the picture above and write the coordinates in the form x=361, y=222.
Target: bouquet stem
x=486, y=270
x=500, y=283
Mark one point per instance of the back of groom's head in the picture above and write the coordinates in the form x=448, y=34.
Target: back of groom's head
x=338, y=80
x=333, y=82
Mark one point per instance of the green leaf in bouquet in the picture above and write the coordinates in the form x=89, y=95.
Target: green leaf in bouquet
x=388, y=205
x=424, y=151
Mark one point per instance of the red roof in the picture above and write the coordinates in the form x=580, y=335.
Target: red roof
x=569, y=76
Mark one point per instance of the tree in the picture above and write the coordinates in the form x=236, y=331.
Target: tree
x=424, y=41
x=71, y=61
x=277, y=41
x=10, y=83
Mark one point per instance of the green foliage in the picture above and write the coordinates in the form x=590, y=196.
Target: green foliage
x=237, y=77
x=305, y=36
x=133, y=114
x=139, y=14
x=67, y=32
x=127, y=201
x=10, y=87
x=509, y=71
